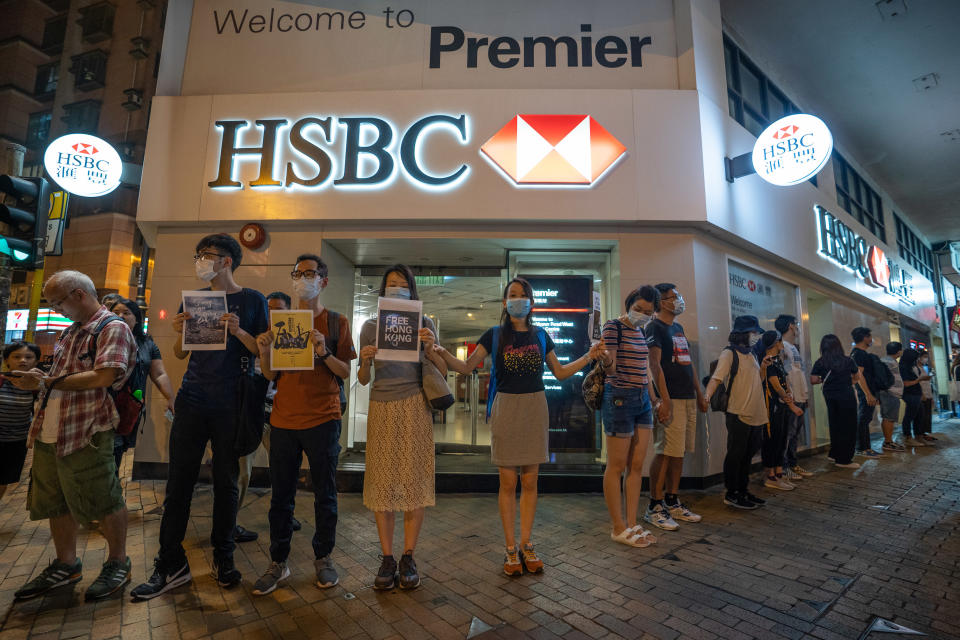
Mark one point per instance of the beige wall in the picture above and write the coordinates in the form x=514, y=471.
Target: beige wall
x=101, y=247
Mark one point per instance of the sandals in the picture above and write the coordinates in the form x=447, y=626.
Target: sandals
x=635, y=536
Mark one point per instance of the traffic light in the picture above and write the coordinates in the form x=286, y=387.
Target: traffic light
x=27, y=219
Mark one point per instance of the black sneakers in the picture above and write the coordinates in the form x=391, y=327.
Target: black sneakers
x=738, y=501
x=409, y=578
x=226, y=573
x=161, y=581
x=57, y=574
x=387, y=575
x=244, y=535
x=754, y=499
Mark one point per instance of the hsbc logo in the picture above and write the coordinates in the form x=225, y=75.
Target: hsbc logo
x=368, y=152
x=553, y=150
x=83, y=164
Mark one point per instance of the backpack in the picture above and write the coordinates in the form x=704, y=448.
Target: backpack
x=720, y=399
x=492, y=389
x=333, y=339
x=596, y=378
x=882, y=376
x=128, y=400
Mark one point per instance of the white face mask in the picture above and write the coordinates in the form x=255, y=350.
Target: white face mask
x=205, y=270
x=754, y=338
x=679, y=305
x=638, y=319
x=306, y=288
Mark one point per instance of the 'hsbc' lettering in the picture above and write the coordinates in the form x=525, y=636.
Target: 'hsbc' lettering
x=378, y=150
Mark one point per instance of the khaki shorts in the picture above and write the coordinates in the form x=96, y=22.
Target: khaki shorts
x=83, y=483
x=679, y=436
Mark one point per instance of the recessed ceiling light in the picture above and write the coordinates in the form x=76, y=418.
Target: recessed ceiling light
x=926, y=82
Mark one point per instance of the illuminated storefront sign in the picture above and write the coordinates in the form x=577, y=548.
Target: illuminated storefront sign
x=553, y=149
x=792, y=150
x=373, y=152
x=47, y=320
x=843, y=246
x=83, y=165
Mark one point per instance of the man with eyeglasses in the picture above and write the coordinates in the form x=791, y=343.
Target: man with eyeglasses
x=306, y=420
x=206, y=411
x=73, y=478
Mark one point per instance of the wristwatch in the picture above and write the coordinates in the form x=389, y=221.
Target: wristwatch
x=324, y=356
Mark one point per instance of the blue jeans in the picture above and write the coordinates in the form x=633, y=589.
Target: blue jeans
x=322, y=446
x=624, y=409
x=864, y=418
x=193, y=426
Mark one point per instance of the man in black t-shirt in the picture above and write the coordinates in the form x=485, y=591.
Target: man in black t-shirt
x=863, y=338
x=676, y=425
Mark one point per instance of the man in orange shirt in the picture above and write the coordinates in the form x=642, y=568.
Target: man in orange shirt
x=306, y=419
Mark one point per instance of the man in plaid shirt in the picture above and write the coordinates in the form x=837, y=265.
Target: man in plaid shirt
x=73, y=478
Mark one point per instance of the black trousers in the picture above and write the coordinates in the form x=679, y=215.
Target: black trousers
x=774, y=444
x=864, y=418
x=844, y=426
x=192, y=428
x=912, y=415
x=743, y=442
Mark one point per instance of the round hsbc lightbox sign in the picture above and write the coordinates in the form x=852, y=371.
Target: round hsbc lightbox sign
x=792, y=150
x=83, y=165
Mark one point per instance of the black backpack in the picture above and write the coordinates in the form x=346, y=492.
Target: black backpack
x=720, y=399
x=333, y=339
x=129, y=399
x=882, y=376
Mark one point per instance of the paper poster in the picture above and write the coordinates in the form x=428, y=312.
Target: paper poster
x=596, y=326
x=398, y=329
x=203, y=330
x=291, y=349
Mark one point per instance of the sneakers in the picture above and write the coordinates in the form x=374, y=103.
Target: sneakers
x=271, y=578
x=387, y=574
x=777, y=482
x=849, y=465
x=244, y=535
x=928, y=438
x=754, y=499
x=511, y=562
x=296, y=524
x=531, y=562
x=660, y=517
x=162, y=581
x=326, y=573
x=869, y=453
x=792, y=476
x=913, y=442
x=226, y=573
x=409, y=578
x=55, y=575
x=114, y=575
x=738, y=501
x=680, y=512
x=800, y=471
x=893, y=446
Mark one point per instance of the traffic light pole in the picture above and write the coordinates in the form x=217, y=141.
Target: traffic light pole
x=36, y=292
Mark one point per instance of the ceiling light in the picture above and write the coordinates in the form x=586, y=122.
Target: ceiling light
x=890, y=9
x=926, y=82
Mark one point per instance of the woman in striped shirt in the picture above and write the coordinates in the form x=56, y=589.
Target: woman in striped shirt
x=627, y=412
x=16, y=411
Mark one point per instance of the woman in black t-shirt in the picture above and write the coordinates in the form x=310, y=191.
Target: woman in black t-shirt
x=838, y=373
x=519, y=419
x=779, y=406
x=912, y=397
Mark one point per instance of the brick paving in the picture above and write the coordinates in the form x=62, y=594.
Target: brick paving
x=818, y=562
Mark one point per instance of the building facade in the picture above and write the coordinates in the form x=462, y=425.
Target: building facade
x=580, y=145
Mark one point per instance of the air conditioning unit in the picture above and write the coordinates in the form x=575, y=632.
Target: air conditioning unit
x=134, y=99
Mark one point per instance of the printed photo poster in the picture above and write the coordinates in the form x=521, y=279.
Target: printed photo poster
x=203, y=331
x=398, y=329
x=596, y=326
x=291, y=349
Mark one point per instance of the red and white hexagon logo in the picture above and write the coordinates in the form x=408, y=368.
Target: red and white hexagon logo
x=553, y=149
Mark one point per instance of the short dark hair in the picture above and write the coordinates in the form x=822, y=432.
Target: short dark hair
x=321, y=265
x=226, y=244
x=783, y=322
x=860, y=333
x=894, y=348
x=16, y=345
x=407, y=274
x=137, y=312
x=663, y=287
x=739, y=338
x=280, y=295
x=645, y=292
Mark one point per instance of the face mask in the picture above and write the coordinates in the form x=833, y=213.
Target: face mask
x=679, y=305
x=397, y=292
x=754, y=338
x=518, y=307
x=307, y=288
x=638, y=319
x=205, y=270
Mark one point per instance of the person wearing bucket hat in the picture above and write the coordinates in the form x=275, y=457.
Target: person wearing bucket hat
x=746, y=412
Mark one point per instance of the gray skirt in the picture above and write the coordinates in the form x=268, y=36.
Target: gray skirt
x=519, y=429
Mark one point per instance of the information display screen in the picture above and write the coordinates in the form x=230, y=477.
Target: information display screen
x=562, y=307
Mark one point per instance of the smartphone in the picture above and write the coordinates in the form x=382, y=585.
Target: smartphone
x=13, y=374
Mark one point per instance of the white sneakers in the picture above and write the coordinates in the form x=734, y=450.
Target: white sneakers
x=778, y=482
x=660, y=517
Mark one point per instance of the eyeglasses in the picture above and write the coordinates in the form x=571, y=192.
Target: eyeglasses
x=208, y=255
x=60, y=301
x=309, y=274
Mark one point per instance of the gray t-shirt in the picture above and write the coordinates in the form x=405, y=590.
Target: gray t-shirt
x=392, y=380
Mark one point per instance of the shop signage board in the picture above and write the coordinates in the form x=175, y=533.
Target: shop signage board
x=792, y=150
x=83, y=165
x=843, y=246
x=754, y=293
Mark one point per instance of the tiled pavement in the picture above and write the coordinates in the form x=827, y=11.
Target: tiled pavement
x=818, y=562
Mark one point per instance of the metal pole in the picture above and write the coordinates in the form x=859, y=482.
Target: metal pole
x=36, y=292
x=475, y=401
x=142, y=274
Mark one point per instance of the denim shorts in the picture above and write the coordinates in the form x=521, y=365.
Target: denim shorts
x=624, y=410
x=889, y=406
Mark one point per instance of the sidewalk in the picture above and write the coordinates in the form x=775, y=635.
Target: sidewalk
x=818, y=562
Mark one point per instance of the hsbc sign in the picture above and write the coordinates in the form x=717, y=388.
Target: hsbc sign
x=368, y=152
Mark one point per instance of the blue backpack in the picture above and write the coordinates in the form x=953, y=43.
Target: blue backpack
x=495, y=349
